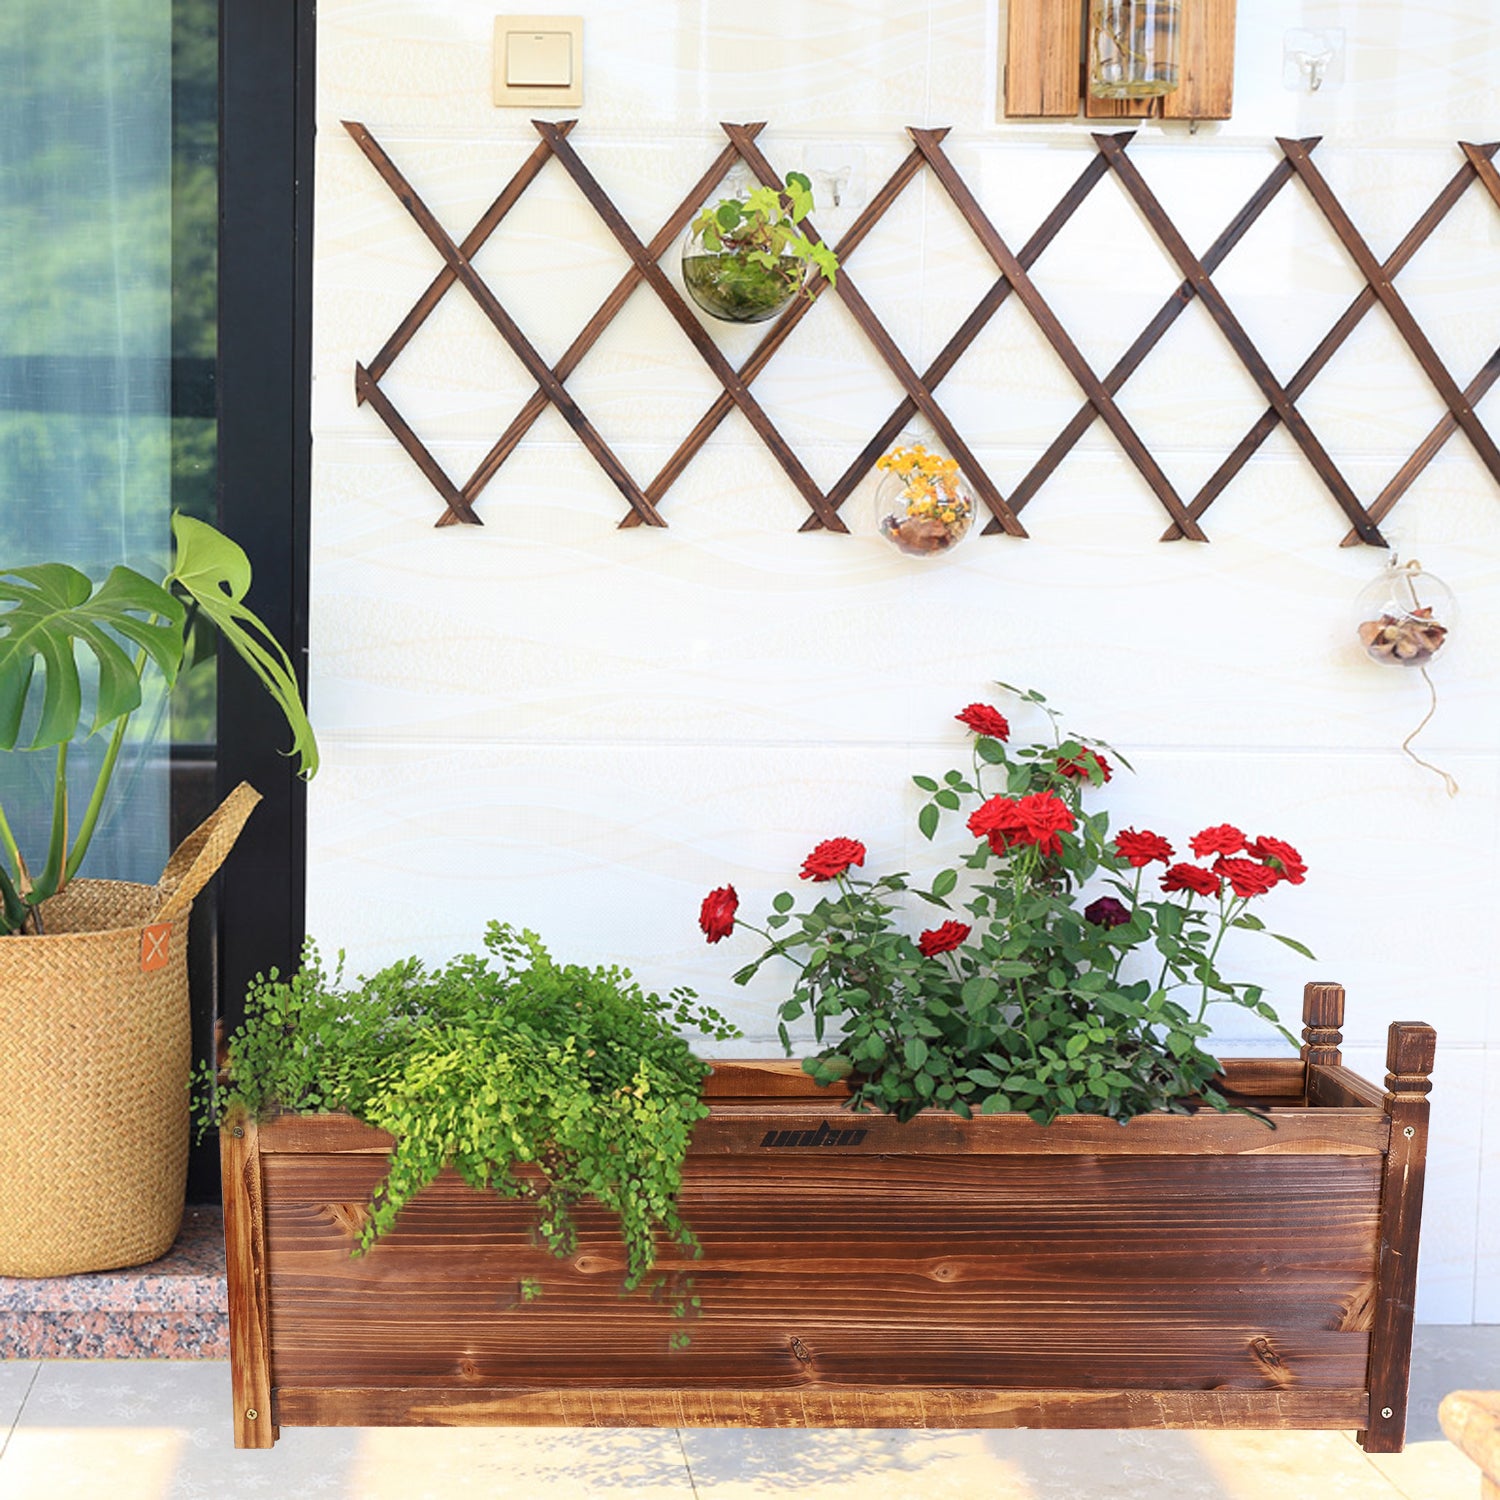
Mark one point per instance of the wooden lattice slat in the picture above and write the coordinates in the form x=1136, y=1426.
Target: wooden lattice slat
x=918, y=389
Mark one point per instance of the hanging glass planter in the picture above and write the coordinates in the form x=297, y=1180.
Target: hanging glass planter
x=1405, y=616
x=923, y=505
x=1404, y=619
x=1134, y=46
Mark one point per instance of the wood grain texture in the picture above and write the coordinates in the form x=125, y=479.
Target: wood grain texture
x=876, y=1407
x=823, y=1269
x=1411, y=1050
x=1043, y=44
x=1205, y=89
x=249, y=1301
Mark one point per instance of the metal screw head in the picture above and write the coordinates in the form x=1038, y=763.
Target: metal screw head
x=1409, y=1132
x=1387, y=1413
x=237, y=1132
x=251, y=1415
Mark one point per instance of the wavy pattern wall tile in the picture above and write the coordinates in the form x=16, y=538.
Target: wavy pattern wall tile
x=583, y=729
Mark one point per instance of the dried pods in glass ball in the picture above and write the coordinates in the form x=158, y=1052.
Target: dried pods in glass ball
x=1404, y=618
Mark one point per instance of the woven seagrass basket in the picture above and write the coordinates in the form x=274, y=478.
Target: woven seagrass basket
x=95, y=1053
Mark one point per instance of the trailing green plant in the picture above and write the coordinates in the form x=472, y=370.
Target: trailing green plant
x=755, y=249
x=541, y=1081
x=1044, y=1003
x=53, y=614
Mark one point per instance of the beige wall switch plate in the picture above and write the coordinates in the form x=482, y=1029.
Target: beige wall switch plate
x=538, y=61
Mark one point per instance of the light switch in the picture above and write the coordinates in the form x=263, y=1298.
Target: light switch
x=539, y=61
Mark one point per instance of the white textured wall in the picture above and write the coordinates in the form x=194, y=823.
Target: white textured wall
x=582, y=729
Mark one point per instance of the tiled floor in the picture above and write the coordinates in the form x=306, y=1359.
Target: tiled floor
x=159, y=1430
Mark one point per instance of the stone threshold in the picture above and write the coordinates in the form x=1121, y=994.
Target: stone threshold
x=173, y=1308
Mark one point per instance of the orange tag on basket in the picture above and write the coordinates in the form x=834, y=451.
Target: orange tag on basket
x=156, y=943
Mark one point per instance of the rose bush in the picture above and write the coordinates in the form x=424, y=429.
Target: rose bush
x=1040, y=1003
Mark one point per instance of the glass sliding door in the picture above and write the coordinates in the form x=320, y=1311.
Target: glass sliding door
x=86, y=351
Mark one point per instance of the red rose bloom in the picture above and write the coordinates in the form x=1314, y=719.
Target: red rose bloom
x=1280, y=856
x=832, y=858
x=943, y=939
x=1247, y=877
x=1083, y=764
x=1192, y=878
x=983, y=719
x=995, y=820
x=1139, y=849
x=1225, y=838
x=716, y=916
x=1037, y=818
x=1044, y=816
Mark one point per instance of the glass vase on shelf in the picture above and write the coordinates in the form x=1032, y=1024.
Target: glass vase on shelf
x=1134, y=46
x=923, y=504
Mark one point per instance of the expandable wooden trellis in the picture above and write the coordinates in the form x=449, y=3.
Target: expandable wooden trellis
x=920, y=398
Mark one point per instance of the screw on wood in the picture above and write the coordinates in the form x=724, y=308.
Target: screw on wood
x=251, y=1415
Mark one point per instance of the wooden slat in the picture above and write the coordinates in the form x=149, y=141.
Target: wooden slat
x=1338, y=1088
x=733, y=1129
x=1411, y=1050
x=879, y=1407
x=1205, y=89
x=1044, y=40
x=249, y=1301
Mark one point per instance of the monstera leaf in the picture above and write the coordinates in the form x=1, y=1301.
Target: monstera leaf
x=54, y=610
x=216, y=574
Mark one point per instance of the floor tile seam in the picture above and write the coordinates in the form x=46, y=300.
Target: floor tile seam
x=16, y=1420
x=687, y=1462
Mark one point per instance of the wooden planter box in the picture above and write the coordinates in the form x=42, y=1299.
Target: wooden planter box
x=1178, y=1271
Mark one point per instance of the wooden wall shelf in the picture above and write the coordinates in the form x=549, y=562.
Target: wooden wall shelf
x=1046, y=66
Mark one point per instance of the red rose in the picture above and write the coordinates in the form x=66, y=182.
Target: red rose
x=1280, y=856
x=1192, y=878
x=1246, y=876
x=1225, y=838
x=1044, y=815
x=716, y=917
x=983, y=719
x=1037, y=818
x=1139, y=849
x=832, y=858
x=1084, y=764
x=996, y=821
x=943, y=939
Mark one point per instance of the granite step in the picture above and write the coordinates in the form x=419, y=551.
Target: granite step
x=172, y=1308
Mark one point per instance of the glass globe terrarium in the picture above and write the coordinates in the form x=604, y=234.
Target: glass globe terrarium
x=923, y=505
x=1405, y=616
x=746, y=256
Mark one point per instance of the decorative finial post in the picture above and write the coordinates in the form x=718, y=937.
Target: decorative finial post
x=1410, y=1052
x=1322, y=1023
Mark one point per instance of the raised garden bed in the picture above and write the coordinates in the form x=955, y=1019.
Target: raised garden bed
x=1179, y=1271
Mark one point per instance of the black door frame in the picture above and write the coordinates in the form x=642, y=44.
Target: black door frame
x=267, y=100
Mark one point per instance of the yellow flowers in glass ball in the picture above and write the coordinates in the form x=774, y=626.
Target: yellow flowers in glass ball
x=923, y=505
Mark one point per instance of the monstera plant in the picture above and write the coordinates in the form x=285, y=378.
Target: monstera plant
x=54, y=616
